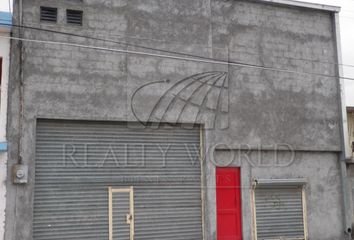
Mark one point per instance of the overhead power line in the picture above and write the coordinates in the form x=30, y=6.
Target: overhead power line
x=219, y=62
x=155, y=49
x=347, y=11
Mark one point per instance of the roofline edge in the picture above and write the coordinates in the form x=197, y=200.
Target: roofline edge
x=295, y=3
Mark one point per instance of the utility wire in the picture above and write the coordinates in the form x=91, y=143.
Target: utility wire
x=348, y=11
x=150, y=48
x=219, y=62
x=346, y=17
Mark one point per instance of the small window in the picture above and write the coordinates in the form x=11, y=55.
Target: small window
x=279, y=211
x=49, y=14
x=74, y=17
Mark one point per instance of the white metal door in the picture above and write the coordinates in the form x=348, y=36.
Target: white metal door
x=121, y=213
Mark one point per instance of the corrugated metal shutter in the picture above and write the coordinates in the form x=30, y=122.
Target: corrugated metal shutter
x=77, y=161
x=279, y=213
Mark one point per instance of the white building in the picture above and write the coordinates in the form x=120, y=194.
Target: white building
x=5, y=29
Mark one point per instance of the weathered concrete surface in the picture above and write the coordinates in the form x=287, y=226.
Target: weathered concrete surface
x=5, y=54
x=323, y=194
x=265, y=107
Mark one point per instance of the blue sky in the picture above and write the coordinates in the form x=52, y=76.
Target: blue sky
x=347, y=35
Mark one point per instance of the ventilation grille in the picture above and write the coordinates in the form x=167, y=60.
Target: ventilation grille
x=49, y=14
x=74, y=17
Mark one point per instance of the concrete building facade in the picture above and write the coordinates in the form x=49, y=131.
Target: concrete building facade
x=245, y=81
x=5, y=31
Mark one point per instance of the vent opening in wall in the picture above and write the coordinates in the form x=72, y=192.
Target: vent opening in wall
x=49, y=14
x=74, y=17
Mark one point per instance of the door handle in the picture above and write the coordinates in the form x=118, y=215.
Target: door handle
x=129, y=218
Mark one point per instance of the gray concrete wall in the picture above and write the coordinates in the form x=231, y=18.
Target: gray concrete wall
x=5, y=55
x=282, y=107
x=322, y=190
x=264, y=107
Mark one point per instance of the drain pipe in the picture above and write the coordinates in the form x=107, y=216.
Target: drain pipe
x=344, y=154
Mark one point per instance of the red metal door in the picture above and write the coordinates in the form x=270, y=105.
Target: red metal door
x=228, y=204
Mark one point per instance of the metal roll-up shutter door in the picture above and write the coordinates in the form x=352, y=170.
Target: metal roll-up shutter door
x=76, y=162
x=279, y=213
